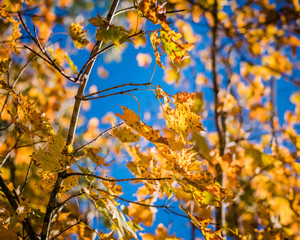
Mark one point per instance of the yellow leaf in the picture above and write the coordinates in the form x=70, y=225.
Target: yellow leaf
x=78, y=35
x=52, y=158
x=68, y=184
x=92, y=154
x=141, y=214
x=132, y=120
x=174, y=49
x=154, y=12
x=125, y=134
x=155, y=41
x=182, y=120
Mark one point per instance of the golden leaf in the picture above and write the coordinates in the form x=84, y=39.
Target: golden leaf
x=78, y=35
x=52, y=158
x=132, y=120
x=91, y=153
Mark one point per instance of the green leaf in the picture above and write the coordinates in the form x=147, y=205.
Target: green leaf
x=71, y=63
x=116, y=34
x=107, y=32
x=204, y=198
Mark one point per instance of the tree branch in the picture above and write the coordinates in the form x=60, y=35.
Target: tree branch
x=72, y=129
x=114, y=180
x=112, y=94
x=47, y=57
x=96, y=138
x=14, y=203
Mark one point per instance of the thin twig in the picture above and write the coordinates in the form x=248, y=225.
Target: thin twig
x=10, y=150
x=95, y=54
x=150, y=205
x=26, y=177
x=66, y=229
x=113, y=94
x=47, y=57
x=96, y=138
x=119, y=86
x=30, y=144
x=115, y=180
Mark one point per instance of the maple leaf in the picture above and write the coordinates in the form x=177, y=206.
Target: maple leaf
x=108, y=32
x=68, y=184
x=108, y=208
x=51, y=158
x=155, y=41
x=182, y=120
x=78, y=35
x=47, y=181
x=91, y=153
x=170, y=43
x=132, y=120
x=154, y=12
x=26, y=111
x=125, y=134
x=174, y=49
x=141, y=214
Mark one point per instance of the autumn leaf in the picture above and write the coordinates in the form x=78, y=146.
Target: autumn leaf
x=108, y=32
x=92, y=153
x=169, y=40
x=51, y=157
x=132, y=120
x=125, y=134
x=161, y=232
x=108, y=208
x=71, y=63
x=78, y=35
x=68, y=184
x=155, y=41
x=151, y=10
x=141, y=214
x=25, y=111
x=182, y=120
x=175, y=50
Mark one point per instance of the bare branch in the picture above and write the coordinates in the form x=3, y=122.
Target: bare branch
x=119, y=86
x=66, y=229
x=115, y=180
x=96, y=138
x=47, y=57
x=112, y=94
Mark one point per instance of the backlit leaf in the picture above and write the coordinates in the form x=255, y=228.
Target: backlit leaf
x=78, y=35
x=51, y=157
x=107, y=32
x=132, y=120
